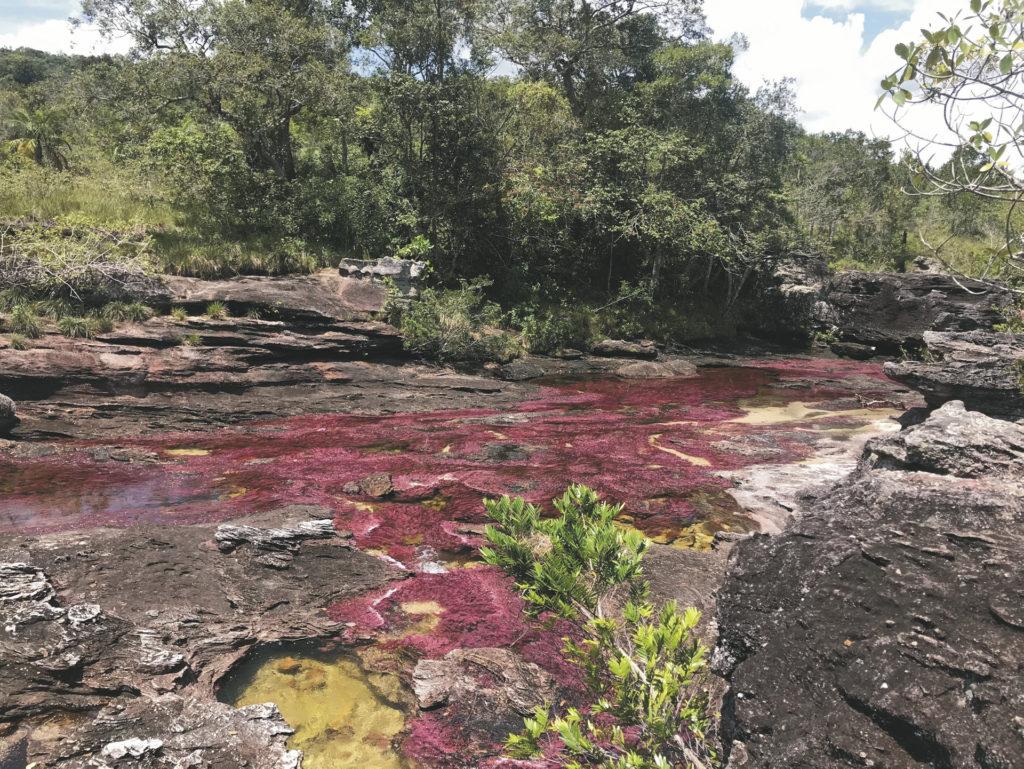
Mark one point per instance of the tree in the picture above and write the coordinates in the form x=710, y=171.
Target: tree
x=971, y=66
x=42, y=137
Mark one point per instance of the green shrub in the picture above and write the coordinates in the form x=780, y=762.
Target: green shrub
x=217, y=311
x=19, y=342
x=546, y=332
x=119, y=312
x=642, y=669
x=191, y=340
x=455, y=324
x=178, y=313
x=24, y=321
x=76, y=328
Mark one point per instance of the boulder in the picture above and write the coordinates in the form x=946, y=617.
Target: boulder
x=976, y=367
x=405, y=274
x=8, y=414
x=884, y=628
x=619, y=348
x=893, y=310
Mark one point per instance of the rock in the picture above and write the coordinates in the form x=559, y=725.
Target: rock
x=486, y=691
x=893, y=310
x=323, y=295
x=852, y=350
x=8, y=414
x=377, y=485
x=792, y=299
x=618, y=348
x=179, y=733
x=656, y=370
x=884, y=627
x=152, y=609
x=275, y=547
x=403, y=273
x=976, y=367
x=520, y=371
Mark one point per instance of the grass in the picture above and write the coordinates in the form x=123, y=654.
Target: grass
x=191, y=340
x=25, y=322
x=179, y=313
x=120, y=312
x=217, y=311
x=19, y=342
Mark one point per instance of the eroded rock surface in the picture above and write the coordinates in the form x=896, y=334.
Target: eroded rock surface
x=885, y=628
x=893, y=310
x=124, y=633
x=619, y=348
x=977, y=367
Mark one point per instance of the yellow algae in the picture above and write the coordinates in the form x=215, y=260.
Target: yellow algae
x=340, y=718
x=437, y=502
x=187, y=452
x=421, y=607
x=447, y=449
x=499, y=436
x=696, y=461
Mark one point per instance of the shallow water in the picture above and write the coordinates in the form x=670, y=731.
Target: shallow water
x=343, y=716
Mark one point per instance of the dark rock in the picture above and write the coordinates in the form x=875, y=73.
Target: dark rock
x=976, y=367
x=520, y=371
x=485, y=691
x=405, y=274
x=890, y=310
x=883, y=628
x=619, y=348
x=852, y=350
x=792, y=298
x=567, y=354
x=377, y=485
x=8, y=414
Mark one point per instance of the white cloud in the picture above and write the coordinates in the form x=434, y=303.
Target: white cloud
x=59, y=36
x=836, y=76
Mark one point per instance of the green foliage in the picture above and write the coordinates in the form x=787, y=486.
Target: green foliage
x=217, y=311
x=642, y=667
x=120, y=312
x=19, y=342
x=24, y=321
x=77, y=328
x=190, y=340
x=179, y=313
x=455, y=324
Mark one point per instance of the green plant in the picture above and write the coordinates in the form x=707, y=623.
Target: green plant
x=119, y=312
x=75, y=327
x=25, y=321
x=454, y=324
x=642, y=669
x=546, y=332
x=217, y=311
x=178, y=313
x=19, y=342
x=191, y=340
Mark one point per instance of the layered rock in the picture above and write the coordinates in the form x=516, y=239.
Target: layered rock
x=323, y=295
x=884, y=628
x=888, y=311
x=124, y=634
x=404, y=274
x=979, y=368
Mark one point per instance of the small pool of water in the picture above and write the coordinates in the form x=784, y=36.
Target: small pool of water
x=344, y=717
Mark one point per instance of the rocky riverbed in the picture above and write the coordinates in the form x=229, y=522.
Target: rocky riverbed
x=291, y=506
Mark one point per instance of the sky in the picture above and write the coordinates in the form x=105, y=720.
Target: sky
x=836, y=51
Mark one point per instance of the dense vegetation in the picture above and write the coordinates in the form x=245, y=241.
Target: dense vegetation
x=594, y=155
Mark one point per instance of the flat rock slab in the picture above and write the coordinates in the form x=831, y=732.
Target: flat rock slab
x=325, y=294
x=884, y=628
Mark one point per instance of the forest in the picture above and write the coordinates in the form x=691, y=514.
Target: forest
x=560, y=165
